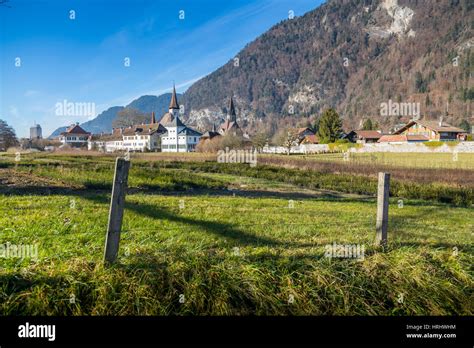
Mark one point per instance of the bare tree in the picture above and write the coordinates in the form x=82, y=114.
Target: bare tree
x=287, y=138
x=130, y=117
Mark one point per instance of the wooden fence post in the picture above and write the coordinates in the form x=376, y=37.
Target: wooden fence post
x=382, y=208
x=117, y=205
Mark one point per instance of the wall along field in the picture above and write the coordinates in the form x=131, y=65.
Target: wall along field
x=205, y=238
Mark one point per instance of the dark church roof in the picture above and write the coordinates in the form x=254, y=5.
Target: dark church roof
x=174, y=100
x=231, y=113
x=169, y=120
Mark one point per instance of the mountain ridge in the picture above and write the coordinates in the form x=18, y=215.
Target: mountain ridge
x=103, y=121
x=350, y=56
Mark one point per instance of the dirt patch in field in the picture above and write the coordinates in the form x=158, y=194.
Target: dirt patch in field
x=10, y=180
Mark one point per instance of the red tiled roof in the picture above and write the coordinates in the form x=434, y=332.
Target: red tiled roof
x=144, y=129
x=105, y=137
x=76, y=129
x=417, y=138
x=311, y=139
x=392, y=138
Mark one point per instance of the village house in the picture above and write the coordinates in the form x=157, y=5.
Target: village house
x=139, y=138
x=74, y=136
x=363, y=136
x=106, y=142
x=302, y=133
x=145, y=137
x=432, y=130
x=310, y=140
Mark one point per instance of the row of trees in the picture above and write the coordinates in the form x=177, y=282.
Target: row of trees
x=7, y=136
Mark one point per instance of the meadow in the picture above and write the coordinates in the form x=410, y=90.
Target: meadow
x=204, y=238
x=406, y=160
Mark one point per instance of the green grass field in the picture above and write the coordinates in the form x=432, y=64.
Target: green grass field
x=407, y=160
x=211, y=239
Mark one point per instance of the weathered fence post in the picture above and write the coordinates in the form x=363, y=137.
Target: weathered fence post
x=117, y=205
x=382, y=208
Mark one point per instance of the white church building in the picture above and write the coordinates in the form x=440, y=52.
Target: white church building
x=178, y=137
x=168, y=135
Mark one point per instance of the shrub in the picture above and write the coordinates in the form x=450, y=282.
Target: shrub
x=433, y=143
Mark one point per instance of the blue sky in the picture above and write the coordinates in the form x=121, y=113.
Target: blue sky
x=83, y=59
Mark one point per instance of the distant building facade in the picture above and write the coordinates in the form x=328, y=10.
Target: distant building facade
x=433, y=130
x=145, y=137
x=74, y=136
x=36, y=132
x=168, y=135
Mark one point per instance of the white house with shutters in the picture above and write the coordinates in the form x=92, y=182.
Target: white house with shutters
x=139, y=138
x=74, y=136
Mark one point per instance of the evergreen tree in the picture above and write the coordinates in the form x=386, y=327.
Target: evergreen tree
x=368, y=125
x=329, y=126
x=465, y=125
x=316, y=125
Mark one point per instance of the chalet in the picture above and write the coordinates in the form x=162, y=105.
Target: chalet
x=310, y=139
x=177, y=137
x=432, y=130
x=363, y=136
x=74, y=136
x=302, y=133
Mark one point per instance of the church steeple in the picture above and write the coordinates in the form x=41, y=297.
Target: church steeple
x=153, y=119
x=231, y=113
x=174, y=101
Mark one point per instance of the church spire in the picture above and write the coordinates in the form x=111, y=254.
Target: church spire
x=232, y=115
x=174, y=100
x=153, y=120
